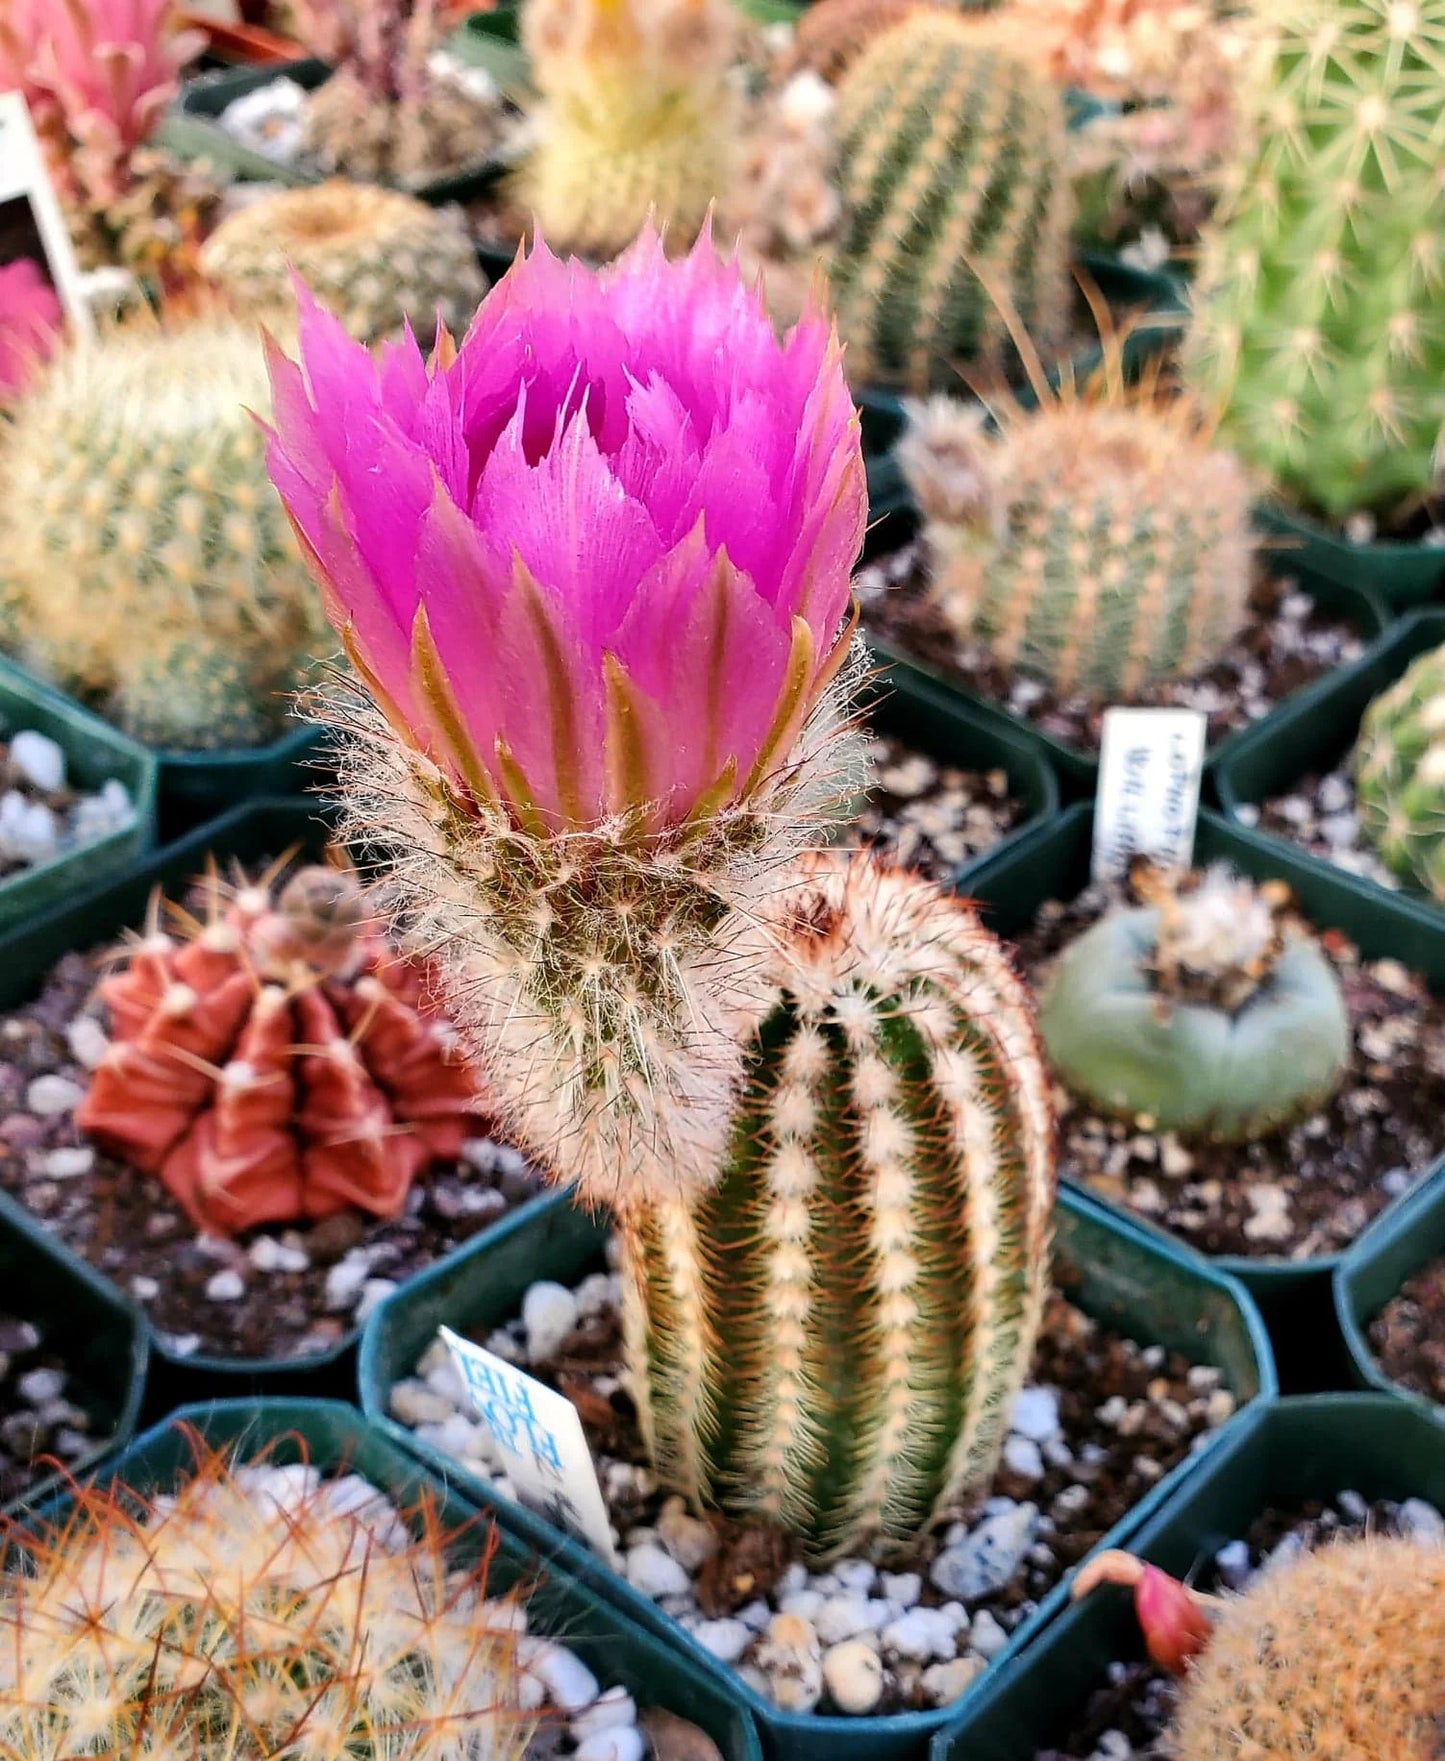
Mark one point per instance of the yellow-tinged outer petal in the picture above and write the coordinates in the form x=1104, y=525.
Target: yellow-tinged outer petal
x=433, y=687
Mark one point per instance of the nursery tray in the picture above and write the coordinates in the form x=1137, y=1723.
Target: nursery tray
x=1391, y=1251
x=102, y=1337
x=1403, y=575
x=331, y=1435
x=1127, y=1279
x=1282, y=1453
x=1053, y=863
x=1314, y=731
x=94, y=754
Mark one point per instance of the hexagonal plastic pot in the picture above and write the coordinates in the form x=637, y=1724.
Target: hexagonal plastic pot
x=1119, y=1274
x=334, y=1437
x=1403, y=575
x=1283, y=1453
x=1390, y=1252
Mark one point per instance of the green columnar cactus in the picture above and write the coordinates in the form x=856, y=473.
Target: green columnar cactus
x=1399, y=764
x=1099, y=541
x=1321, y=320
x=833, y=1336
x=1333, y=1656
x=137, y=522
x=1202, y=1012
x=956, y=201
x=376, y=258
x=641, y=118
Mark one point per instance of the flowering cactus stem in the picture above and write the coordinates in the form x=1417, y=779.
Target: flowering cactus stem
x=1176, y=1621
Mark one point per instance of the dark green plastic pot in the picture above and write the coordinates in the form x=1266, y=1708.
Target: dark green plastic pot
x=1315, y=731
x=264, y=829
x=101, y=1336
x=94, y=754
x=1391, y=1251
x=198, y=786
x=1053, y=863
x=1403, y=575
x=1283, y=1454
x=1112, y=1269
x=334, y=1437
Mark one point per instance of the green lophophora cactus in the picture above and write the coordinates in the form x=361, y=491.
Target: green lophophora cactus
x=377, y=258
x=1336, y=1655
x=1321, y=320
x=956, y=201
x=1099, y=541
x=641, y=118
x=834, y=1334
x=146, y=563
x=1203, y=1011
x=1399, y=764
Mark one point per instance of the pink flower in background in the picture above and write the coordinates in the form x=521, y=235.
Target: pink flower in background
x=97, y=75
x=598, y=557
x=30, y=323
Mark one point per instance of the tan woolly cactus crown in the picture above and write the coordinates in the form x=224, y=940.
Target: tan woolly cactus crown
x=1338, y=1655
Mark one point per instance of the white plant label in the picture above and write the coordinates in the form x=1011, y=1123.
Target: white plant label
x=539, y=1439
x=28, y=205
x=1150, y=769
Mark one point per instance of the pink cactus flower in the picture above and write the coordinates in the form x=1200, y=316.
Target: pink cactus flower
x=595, y=562
x=30, y=323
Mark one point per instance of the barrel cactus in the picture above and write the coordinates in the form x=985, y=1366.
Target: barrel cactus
x=1399, y=764
x=833, y=1335
x=376, y=258
x=1321, y=319
x=136, y=522
x=957, y=206
x=1097, y=540
x=640, y=117
x=1203, y=1011
x=832, y=34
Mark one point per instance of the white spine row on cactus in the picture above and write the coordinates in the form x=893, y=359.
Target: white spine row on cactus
x=841, y=1125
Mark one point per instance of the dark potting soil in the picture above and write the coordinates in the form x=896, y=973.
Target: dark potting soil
x=276, y=1293
x=1298, y=1193
x=42, y=1423
x=1287, y=643
x=933, y=817
x=1126, y=1414
x=1408, y=1335
x=1127, y=1718
x=1321, y=814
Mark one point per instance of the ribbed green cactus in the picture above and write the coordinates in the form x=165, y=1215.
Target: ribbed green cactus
x=956, y=198
x=640, y=118
x=1399, y=764
x=1202, y=1012
x=834, y=1334
x=377, y=258
x=1098, y=541
x=1321, y=318
x=137, y=522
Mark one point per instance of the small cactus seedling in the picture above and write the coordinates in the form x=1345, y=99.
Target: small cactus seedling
x=376, y=258
x=640, y=118
x=833, y=1336
x=277, y=1059
x=1399, y=764
x=1320, y=323
x=956, y=201
x=1204, y=1010
x=257, y=1611
x=1097, y=539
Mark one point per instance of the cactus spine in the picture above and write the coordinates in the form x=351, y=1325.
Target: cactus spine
x=1099, y=541
x=640, y=118
x=376, y=258
x=138, y=528
x=1332, y=1656
x=834, y=1334
x=956, y=198
x=1400, y=774
x=1321, y=322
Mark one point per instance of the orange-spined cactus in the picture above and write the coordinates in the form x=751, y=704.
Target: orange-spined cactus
x=276, y=1058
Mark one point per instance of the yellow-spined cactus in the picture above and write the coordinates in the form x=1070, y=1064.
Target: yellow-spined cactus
x=640, y=117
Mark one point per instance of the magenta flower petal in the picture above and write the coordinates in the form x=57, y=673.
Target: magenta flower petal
x=574, y=557
x=30, y=321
